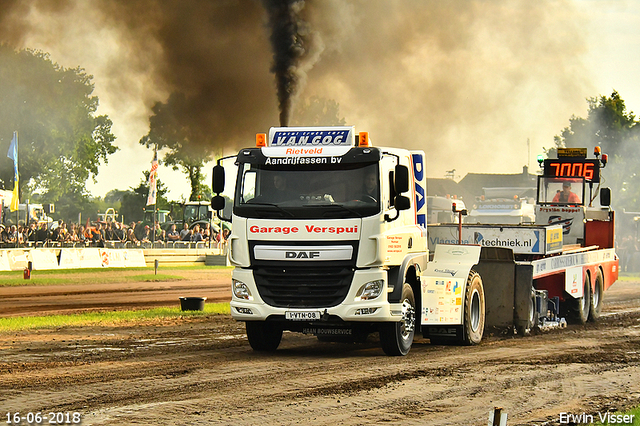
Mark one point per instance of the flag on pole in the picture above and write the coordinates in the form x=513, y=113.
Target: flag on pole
x=153, y=187
x=13, y=154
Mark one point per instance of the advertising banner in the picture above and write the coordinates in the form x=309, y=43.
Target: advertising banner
x=4, y=261
x=18, y=259
x=133, y=258
x=44, y=259
x=521, y=239
x=69, y=258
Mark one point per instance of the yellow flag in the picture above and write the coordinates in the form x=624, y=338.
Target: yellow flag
x=13, y=154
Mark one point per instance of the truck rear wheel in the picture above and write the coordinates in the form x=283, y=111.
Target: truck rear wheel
x=474, y=310
x=596, y=298
x=263, y=336
x=582, y=305
x=396, y=338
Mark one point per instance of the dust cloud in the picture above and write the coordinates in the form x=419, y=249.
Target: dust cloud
x=467, y=81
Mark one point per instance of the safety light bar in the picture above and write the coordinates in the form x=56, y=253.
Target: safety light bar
x=261, y=140
x=363, y=139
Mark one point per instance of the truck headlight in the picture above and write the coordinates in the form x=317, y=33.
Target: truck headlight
x=370, y=290
x=240, y=290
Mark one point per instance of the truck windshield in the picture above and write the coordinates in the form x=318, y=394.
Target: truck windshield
x=335, y=191
x=193, y=213
x=561, y=191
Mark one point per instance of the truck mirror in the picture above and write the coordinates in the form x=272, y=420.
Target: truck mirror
x=401, y=202
x=218, y=179
x=605, y=197
x=401, y=179
x=217, y=202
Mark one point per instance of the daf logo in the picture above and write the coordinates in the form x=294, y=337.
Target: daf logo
x=302, y=254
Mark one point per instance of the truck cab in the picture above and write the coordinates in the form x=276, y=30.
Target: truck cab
x=37, y=214
x=568, y=196
x=324, y=230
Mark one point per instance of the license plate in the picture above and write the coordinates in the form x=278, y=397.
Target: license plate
x=303, y=315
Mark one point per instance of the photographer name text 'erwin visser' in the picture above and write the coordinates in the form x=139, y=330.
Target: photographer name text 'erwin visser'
x=588, y=419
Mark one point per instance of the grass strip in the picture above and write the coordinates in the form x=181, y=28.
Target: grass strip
x=628, y=276
x=86, y=279
x=98, y=270
x=121, y=318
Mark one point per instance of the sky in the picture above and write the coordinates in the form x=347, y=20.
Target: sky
x=481, y=86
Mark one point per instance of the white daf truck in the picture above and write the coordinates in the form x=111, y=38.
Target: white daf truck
x=330, y=239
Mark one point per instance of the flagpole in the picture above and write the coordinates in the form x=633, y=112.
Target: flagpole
x=155, y=205
x=17, y=189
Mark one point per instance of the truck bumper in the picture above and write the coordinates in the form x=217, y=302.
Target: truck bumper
x=352, y=309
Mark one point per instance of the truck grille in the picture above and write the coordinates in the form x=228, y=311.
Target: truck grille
x=303, y=287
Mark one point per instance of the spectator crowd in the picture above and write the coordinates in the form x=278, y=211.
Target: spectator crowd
x=110, y=234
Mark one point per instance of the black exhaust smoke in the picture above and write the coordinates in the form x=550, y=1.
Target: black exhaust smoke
x=291, y=41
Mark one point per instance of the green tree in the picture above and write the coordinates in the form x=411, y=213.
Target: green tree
x=616, y=131
x=61, y=140
x=114, y=197
x=188, y=146
x=134, y=201
x=607, y=125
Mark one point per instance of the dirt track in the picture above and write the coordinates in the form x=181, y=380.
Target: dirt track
x=202, y=371
x=58, y=299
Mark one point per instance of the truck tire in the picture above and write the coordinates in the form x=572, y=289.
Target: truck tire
x=532, y=318
x=263, y=336
x=596, y=298
x=582, y=305
x=474, y=310
x=396, y=338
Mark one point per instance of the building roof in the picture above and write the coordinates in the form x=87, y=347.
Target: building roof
x=473, y=183
x=447, y=187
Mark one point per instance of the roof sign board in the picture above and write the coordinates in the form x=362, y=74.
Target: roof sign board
x=311, y=136
x=572, y=152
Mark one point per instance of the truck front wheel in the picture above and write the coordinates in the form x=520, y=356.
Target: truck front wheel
x=263, y=336
x=396, y=338
x=474, y=310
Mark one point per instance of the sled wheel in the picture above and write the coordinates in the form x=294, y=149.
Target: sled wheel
x=596, y=298
x=582, y=305
x=532, y=318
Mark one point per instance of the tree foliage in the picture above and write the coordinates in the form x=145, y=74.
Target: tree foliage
x=134, y=201
x=616, y=131
x=61, y=140
x=188, y=146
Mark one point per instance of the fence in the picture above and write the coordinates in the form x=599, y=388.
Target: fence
x=220, y=247
x=113, y=254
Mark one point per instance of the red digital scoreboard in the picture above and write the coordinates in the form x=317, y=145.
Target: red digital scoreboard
x=573, y=167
